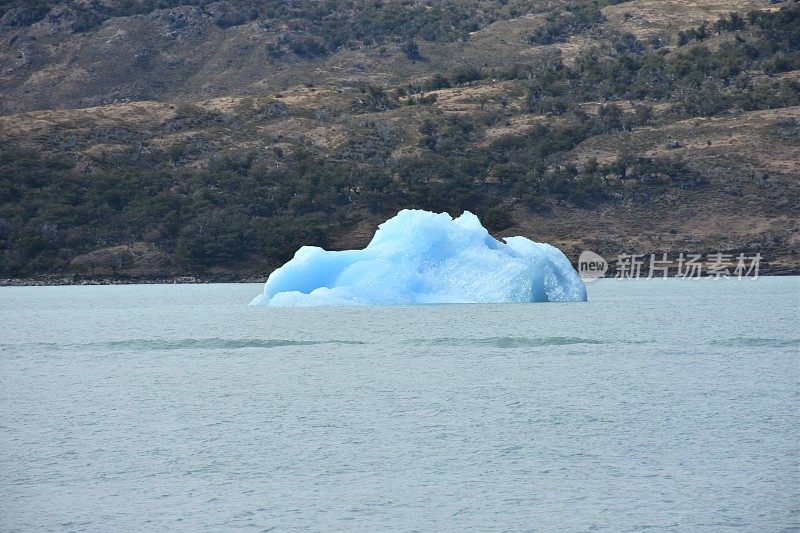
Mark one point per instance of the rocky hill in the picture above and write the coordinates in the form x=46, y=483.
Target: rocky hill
x=156, y=138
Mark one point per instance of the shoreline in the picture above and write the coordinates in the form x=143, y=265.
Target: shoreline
x=59, y=281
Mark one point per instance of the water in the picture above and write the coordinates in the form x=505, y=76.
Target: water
x=659, y=404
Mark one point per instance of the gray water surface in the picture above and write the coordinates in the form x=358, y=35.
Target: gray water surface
x=668, y=404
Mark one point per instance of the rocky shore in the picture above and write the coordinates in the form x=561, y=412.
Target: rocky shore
x=57, y=280
x=45, y=281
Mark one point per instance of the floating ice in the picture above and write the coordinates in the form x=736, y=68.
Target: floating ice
x=419, y=257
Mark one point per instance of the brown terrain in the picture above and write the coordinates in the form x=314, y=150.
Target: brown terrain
x=148, y=80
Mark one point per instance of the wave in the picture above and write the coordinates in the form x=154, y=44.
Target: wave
x=510, y=342
x=757, y=342
x=505, y=342
x=214, y=343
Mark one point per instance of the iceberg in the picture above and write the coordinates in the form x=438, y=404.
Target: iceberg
x=419, y=257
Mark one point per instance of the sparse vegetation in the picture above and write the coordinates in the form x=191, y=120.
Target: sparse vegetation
x=213, y=185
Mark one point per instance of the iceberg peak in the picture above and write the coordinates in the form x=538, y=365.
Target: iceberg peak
x=419, y=257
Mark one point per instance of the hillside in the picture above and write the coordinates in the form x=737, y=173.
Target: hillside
x=150, y=139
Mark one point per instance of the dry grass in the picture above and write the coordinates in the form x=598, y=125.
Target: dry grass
x=135, y=114
x=747, y=139
x=644, y=18
x=515, y=125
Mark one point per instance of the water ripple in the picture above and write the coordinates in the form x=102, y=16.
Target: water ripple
x=509, y=342
x=213, y=343
x=757, y=342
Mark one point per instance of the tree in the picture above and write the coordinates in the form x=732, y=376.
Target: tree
x=411, y=49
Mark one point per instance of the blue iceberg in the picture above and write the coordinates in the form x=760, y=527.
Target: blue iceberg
x=419, y=257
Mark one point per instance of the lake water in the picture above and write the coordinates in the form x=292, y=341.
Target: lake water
x=668, y=404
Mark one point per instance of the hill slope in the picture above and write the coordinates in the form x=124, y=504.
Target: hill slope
x=151, y=139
